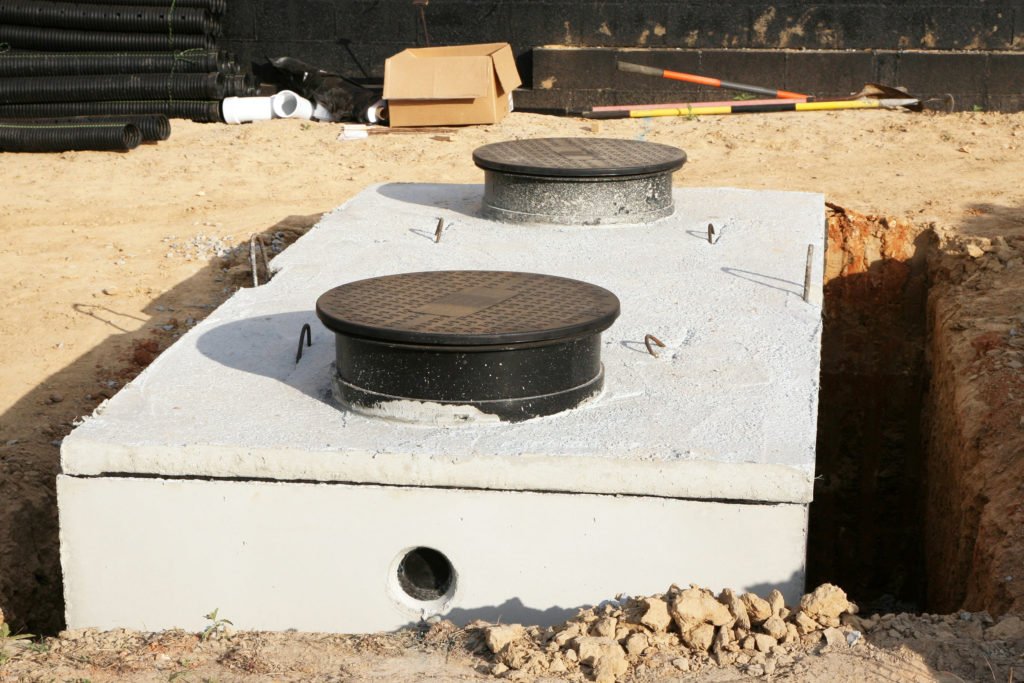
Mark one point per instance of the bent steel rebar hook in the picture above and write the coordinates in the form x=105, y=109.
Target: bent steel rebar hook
x=305, y=333
x=648, y=338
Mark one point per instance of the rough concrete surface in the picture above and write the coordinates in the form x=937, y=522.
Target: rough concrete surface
x=517, y=198
x=726, y=412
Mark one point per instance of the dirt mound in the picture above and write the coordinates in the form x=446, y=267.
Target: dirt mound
x=683, y=634
x=686, y=629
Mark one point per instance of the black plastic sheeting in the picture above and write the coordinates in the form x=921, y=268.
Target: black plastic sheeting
x=345, y=99
x=133, y=18
x=154, y=127
x=88, y=63
x=111, y=87
x=61, y=40
x=203, y=111
x=64, y=137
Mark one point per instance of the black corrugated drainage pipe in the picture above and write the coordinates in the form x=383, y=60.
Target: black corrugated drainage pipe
x=130, y=18
x=92, y=63
x=154, y=127
x=214, y=6
x=203, y=111
x=239, y=85
x=61, y=40
x=65, y=137
x=111, y=87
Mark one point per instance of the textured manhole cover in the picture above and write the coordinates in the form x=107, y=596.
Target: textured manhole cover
x=579, y=157
x=514, y=345
x=583, y=181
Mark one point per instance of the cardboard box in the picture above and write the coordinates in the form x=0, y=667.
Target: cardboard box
x=450, y=86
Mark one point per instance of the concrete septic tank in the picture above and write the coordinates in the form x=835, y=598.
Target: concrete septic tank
x=227, y=475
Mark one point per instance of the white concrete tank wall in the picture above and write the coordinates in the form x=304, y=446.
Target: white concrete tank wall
x=158, y=554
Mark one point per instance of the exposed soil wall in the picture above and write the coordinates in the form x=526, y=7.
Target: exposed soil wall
x=974, y=525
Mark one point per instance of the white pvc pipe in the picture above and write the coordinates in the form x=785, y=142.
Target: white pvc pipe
x=288, y=105
x=246, y=109
x=320, y=113
x=283, y=105
x=377, y=113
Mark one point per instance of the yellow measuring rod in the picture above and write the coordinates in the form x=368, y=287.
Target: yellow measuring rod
x=740, y=108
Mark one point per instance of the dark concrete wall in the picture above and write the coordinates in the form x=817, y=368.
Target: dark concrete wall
x=354, y=37
x=567, y=80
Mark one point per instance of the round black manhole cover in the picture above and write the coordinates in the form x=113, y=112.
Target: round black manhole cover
x=467, y=308
x=579, y=157
x=578, y=181
x=459, y=344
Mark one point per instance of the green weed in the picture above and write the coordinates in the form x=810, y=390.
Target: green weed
x=216, y=626
x=7, y=638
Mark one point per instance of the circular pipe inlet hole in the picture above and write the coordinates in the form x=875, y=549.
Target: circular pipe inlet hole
x=425, y=574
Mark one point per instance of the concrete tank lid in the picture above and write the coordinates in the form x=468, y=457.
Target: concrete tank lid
x=727, y=411
x=467, y=308
x=579, y=157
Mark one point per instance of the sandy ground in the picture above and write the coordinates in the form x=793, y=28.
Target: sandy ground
x=108, y=257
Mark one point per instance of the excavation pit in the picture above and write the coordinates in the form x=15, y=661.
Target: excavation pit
x=867, y=518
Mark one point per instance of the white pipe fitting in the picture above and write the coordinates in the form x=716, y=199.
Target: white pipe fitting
x=288, y=105
x=378, y=112
x=320, y=113
x=246, y=109
x=283, y=105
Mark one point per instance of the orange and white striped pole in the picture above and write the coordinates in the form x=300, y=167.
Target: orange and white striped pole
x=706, y=80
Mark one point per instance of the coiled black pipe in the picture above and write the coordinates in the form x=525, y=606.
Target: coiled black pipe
x=129, y=18
x=154, y=127
x=213, y=6
x=112, y=87
x=64, y=137
x=61, y=40
x=198, y=110
x=92, y=63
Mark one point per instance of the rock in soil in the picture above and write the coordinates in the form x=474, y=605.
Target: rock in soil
x=825, y=604
x=736, y=608
x=497, y=637
x=656, y=617
x=605, y=657
x=757, y=607
x=636, y=644
x=1008, y=628
x=694, y=606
